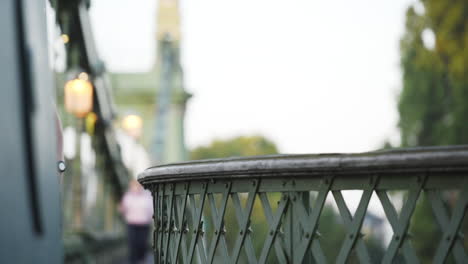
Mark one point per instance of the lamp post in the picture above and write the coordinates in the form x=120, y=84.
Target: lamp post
x=79, y=102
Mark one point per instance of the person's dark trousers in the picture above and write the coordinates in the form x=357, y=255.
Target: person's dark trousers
x=138, y=241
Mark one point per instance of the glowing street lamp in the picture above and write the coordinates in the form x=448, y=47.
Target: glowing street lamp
x=79, y=96
x=65, y=38
x=132, y=124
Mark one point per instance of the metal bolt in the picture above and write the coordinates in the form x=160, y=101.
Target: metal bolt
x=216, y=232
x=397, y=237
x=226, y=185
x=351, y=236
x=271, y=232
x=448, y=238
x=307, y=235
x=241, y=232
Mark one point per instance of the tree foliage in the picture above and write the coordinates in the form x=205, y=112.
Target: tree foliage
x=433, y=105
x=235, y=147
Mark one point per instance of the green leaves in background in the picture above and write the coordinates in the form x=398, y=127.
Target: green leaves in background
x=235, y=147
x=433, y=104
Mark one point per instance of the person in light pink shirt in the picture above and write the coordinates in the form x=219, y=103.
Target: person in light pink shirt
x=137, y=209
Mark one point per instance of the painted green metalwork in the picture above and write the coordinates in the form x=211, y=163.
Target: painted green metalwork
x=185, y=192
x=99, y=233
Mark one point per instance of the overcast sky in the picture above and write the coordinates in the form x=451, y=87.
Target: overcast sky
x=312, y=75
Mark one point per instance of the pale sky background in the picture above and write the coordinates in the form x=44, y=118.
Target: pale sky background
x=312, y=75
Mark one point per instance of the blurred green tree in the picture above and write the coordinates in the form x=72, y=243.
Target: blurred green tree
x=433, y=104
x=235, y=147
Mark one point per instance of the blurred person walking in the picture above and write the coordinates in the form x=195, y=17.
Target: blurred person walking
x=137, y=209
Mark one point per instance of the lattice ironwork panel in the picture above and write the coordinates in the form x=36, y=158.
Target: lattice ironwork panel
x=276, y=220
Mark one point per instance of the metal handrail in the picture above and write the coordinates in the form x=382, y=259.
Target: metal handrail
x=191, y=201
x=429, y=159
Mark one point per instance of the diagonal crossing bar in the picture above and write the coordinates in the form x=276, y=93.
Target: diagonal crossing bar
x=197, y=214
x=443, y=221
x=392, y=216
x=309, y=222
x=400, y=233
x=169, y=222
x=243, y=217
x=273, y=222
x=218, y=219
x=269, y=216
x=451, y=231
x=180, y=209
x=156, y=213
x=161, y=223
x=353, y=235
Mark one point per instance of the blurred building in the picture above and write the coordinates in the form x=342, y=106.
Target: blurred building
x=158, y=95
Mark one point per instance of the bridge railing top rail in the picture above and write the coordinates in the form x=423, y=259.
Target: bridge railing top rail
x=424, y=160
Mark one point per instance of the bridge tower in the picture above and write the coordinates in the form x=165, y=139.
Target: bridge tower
x=158, y=95
x=168, y=144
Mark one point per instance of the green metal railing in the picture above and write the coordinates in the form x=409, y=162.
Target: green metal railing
x=192, y=200
x=100, y=235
